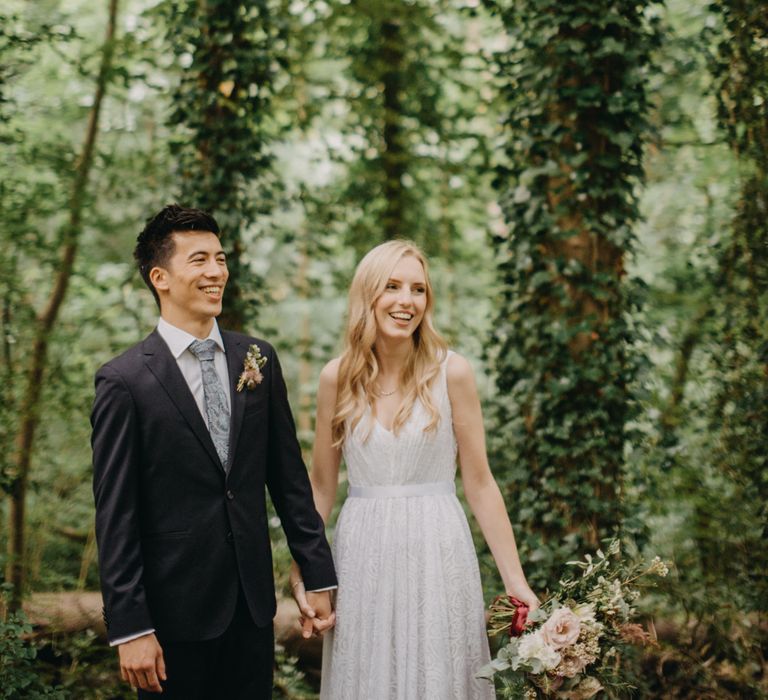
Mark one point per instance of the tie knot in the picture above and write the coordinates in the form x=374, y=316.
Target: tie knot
x=203, y=349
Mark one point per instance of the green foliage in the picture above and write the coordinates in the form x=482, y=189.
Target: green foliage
x=23, y=197
x=227, y=55
x=409, y=107
x=307, y=131
x=17, y=663
x=700, y=468
x=575, y=84
x=82, y=667
x=289, y=682
x=740, y=410
x=726, y=556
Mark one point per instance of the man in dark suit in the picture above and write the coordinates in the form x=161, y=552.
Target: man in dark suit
x=189, y=426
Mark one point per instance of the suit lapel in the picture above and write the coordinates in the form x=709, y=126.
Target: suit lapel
x=235, y=358
x=162, y=364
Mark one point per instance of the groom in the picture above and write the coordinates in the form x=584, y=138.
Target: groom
x=182, y=452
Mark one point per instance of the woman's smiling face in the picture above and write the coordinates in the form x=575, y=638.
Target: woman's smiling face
x=401, y=306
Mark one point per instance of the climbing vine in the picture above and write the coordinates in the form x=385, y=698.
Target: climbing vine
x=739, y=416
x=574, y=80
x=228, y=55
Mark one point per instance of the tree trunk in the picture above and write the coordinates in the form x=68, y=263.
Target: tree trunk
x=577, y=118
x=29, y=411
x=219, y=190
x=222, y=103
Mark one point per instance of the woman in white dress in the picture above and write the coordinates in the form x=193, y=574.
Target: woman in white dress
x=398, y=406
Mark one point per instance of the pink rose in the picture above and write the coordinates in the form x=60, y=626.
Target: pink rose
x=561, y=629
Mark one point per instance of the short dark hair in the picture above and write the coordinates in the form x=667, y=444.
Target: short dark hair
x=155, y=246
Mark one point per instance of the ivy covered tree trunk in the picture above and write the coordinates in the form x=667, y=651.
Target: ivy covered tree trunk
x=227, y=54
x=740, y=351
x=575, y=86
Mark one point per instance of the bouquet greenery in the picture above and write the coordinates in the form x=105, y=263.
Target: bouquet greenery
x=571, y=647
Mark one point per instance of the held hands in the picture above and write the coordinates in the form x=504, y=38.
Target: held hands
x=316, y=609
x=142, y=664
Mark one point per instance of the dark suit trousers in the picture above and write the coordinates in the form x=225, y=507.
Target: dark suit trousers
x=238, y=665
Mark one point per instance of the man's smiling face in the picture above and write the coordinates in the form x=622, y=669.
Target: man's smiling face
x=191, y=285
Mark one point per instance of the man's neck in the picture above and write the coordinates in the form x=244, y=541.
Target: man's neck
x=200, y=328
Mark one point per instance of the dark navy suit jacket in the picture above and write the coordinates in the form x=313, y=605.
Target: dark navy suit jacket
x=179, y=535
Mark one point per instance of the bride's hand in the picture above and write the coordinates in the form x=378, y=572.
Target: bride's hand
x=527, y=596
x=306, y=612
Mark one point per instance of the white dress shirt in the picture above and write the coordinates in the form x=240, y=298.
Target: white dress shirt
x=178, y=342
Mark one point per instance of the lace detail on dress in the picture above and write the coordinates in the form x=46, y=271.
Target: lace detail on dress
x=410, y=619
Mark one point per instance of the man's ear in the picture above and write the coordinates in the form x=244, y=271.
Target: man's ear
x=158, y=276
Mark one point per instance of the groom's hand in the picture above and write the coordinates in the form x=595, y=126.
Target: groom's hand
x=142, y=664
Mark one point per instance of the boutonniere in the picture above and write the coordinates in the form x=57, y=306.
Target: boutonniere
x=252, y=375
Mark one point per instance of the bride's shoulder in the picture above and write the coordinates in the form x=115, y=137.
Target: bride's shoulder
x=329, y=375
x=458, y=371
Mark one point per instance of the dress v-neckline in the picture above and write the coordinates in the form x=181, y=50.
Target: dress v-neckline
x=379, y=423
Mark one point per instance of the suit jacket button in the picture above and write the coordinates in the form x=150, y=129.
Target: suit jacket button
x=230, y=495
x=230, y=536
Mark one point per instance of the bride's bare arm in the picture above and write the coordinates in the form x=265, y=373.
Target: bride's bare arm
x=480, y=487
x=326, y=458
x=324, y=477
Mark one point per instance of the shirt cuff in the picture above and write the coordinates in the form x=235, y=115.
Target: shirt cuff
x=130, y=637
x=321, y=590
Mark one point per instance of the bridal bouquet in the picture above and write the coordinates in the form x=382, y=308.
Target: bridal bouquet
x=570, y=647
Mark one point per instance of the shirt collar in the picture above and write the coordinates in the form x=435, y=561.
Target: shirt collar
x=178, y=340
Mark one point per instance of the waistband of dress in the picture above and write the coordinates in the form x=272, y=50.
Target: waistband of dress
x=434, y=488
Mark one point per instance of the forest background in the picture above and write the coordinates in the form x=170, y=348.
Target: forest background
x=590, y=181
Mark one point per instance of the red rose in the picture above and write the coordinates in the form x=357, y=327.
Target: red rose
x=519, y=618
x=508, y=615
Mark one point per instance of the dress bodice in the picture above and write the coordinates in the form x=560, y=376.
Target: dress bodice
x=378, y=457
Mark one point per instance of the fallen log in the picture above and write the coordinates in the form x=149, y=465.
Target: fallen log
x=66, y=612
x=70, y=612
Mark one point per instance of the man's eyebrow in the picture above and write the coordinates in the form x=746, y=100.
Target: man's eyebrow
x=205, y=252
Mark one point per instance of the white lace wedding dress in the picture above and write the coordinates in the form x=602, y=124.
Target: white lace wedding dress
x=409, y=609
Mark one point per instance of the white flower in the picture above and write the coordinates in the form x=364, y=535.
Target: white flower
x=533, y=648
x=585, y=612
x=658, y=567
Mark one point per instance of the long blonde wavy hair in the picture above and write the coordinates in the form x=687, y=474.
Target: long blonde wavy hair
x=359, y=366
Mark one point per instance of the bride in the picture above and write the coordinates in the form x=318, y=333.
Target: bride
x=399, y=406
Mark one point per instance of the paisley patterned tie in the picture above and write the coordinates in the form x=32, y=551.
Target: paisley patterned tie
x=216, y=409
